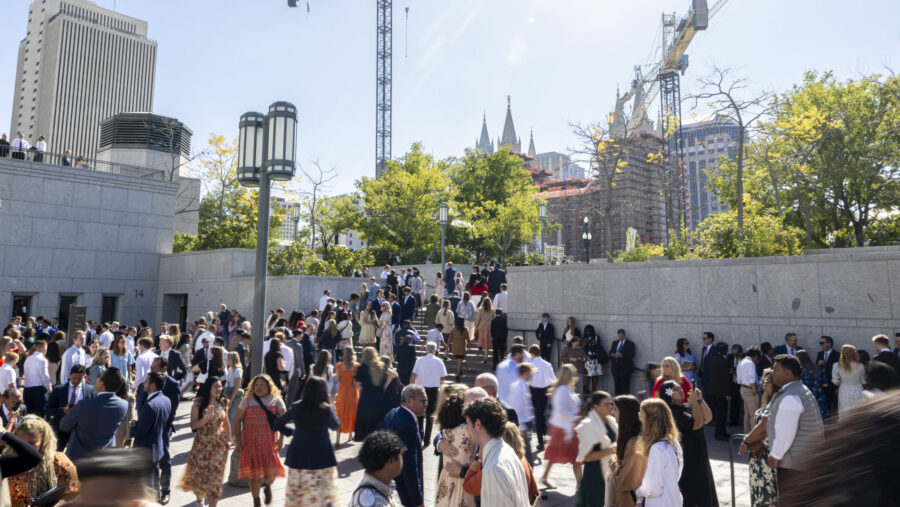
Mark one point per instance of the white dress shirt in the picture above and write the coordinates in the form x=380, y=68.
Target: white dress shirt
x=503, y=482
x=73, y=355
x=786, y=421
x=323, y=301
x=20, y=145
x=746, y=372
x=6, y=414
x=142, y=367
x=520, y=401
x=543, y=376
x=660, y=485
x=106, y=339
x=41, y=146
x=429, y=371
x=288, y=355
x=507, y=373
x=199, y=344
x=8, y=375
x=500, y=301
x=36, y=371
x=384, y=276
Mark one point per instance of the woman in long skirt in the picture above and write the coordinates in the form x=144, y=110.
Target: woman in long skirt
x=348, y=394
x=205, y=470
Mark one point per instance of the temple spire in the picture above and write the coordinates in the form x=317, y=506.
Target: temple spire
x=531, y=151
x=484, y=143
x=509, y=138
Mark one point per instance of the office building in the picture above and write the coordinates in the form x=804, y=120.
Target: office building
x=704, y=143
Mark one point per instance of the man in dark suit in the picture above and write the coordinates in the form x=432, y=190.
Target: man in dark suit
x=177, y=368
x=497, y=278
x=201, y=356
x=151, y=427
x=450, y=279
x=408, y=305
x=790, y=346
x=63, y=398
x=172, y=391
x=621, y=356
x=93, y=422
x=709, y=348
x=485, y=273
x=403, y=422
x=224, y=318
x=719, y=381
x=309, y=348
x=766, y=356
x=395, y=311
x=499, y=333
x=405, y=352
x=454, y=300
x=295, y=386
x=545, y=333
x=11, y=407
x=825, y=360
x=884, y=353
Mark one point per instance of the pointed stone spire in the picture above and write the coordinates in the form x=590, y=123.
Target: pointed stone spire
x=508, y=138
x=531, y=152
x=484, y=143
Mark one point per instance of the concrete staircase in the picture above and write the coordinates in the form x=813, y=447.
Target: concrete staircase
x=472, y=365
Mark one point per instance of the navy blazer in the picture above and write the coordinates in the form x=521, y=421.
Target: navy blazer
x=782, y=349
x=93, y=424
x=171, y=391
x=57, y=402
x=407, y=308
x=395, y=313
x=409, y=482
x=309, y=351
x=626, y=362
x=309, y=449
x=153, y=418
x=177, y=368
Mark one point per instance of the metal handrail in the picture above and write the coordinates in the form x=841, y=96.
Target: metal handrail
x=731, y=440
x=82, y=163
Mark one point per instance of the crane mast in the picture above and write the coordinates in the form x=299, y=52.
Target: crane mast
x=383, y=72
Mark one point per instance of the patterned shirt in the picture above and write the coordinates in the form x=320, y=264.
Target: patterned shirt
x=372, y=493
x=65, y=475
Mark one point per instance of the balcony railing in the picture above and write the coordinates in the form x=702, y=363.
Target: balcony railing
x=82, y=163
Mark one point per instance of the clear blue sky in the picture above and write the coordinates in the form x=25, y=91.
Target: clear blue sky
x=560, y=60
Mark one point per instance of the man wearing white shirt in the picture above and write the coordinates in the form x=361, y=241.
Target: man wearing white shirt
x=385, y=274
x=541, y=378
x=40, y=148
x=520, y=401
x=323, y=301
x=429, y=372
x=500, y=299
x=508, y=372
x=37, y=379
x=204, y=334
x=503, y=482
x=745, y=376
x=19, y=147
x=74, y=355
x=143, y=361
x=106, y=336
x=9, y=375
x=794, y=425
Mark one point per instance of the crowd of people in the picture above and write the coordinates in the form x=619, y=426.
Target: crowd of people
x=356, y=368
x=20, y=149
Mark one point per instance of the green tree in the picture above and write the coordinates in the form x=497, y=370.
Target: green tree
x=764, y=235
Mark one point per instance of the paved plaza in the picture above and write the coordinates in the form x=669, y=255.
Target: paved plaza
x=351, y=472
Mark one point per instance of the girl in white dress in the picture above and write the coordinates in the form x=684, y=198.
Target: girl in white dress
x=659, y=442
x=848, y=375
x=386, y=347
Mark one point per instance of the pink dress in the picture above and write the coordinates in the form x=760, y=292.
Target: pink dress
x=259, y=457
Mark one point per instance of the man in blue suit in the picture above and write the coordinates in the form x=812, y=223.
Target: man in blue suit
x=403, y=421
x=395, y=312
x=407, y=305
x=172, y=391
x=93, y=423
x=63, y=398
x=152, y=426
x=177, y=367
x=790, y=346
x=449, y=279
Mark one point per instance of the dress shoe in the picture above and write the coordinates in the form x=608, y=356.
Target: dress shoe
x=164, y=499
x=267, y=494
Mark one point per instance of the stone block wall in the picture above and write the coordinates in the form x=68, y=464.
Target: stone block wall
x=88, y=234
x=849, y=294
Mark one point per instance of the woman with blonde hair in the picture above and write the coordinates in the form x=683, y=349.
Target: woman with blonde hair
x=55, y=468
x=564, y=414
x=233, y=378
x=99, y=363
x=385, y=335
x=254, y=438
x=483, y=318
x=348, y=394
x=659, y=442
x=671, y=370
x=369, y=320
x=848, y=376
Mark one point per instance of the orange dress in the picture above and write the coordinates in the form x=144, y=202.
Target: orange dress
x=347, y=398
x=259, y=456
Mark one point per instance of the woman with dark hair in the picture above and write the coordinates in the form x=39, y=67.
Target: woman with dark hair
x=813, y=379
x=204, y=472
x=312, y=467
x=685, y=358
x=324, y=370
x=120, y=357
x=696, y=482
x=255, y=440
x=859, y=466
x=216, y=362
x=763, y=485
x=458, y=340
x=573, y=354
x=629, y=465
x=453, y=431
x=54, y=358
x=595, y=357
x=369, y=320
x=596, y=443
x=274, y=363
x=371, y=379
x=571, y=330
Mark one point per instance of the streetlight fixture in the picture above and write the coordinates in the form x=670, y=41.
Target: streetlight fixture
x=267, y=149
x=295, y=214
x=586, y=236
x=443, y=219
x=542, y=214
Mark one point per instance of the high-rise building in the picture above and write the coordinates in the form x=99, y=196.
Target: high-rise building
x=285, y=233
x=350, y=238
x=704, y=143
x=78, y=65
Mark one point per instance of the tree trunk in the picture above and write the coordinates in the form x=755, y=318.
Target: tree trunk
x=740, y=186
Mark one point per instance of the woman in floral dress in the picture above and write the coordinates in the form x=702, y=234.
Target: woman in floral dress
x=55, y=468
x=453, y=430
x=386, y=343
x=813, y=379
x=369, y=323
x=848, y=375
x=205, y=470
x=255, y=440
x=763, y=485
x=595, y=358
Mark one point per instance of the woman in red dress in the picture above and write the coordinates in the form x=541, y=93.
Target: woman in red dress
x=254, y=439
x=671, y=370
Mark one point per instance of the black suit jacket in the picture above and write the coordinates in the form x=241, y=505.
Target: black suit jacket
x=545, y=336
x=890, y=359
x=719, y=380
x=171, y=391
x=626, y=362
x=499, y=328
x=498, y=277
x=176, y=368
x=410, y=481
x=764, y=363
x=832, y=360
x=782, y=349
x=56, y=403
x=201, y=359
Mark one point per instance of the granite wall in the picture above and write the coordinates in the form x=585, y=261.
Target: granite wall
x=849, y=294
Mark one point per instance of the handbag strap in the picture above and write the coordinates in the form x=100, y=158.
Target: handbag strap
x=269, y=413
